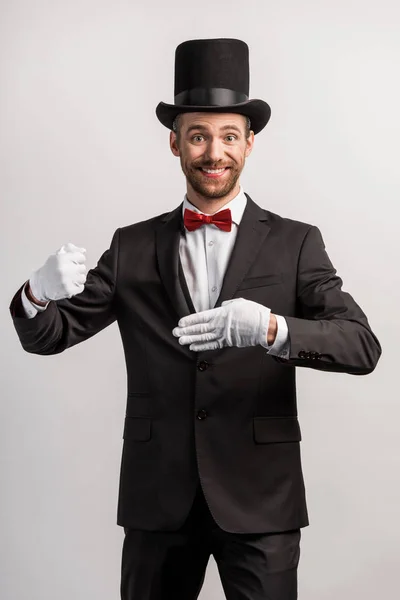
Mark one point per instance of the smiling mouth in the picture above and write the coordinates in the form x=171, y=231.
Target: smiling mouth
x=213, y=173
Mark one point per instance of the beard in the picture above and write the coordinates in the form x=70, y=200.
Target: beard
x=209, y=187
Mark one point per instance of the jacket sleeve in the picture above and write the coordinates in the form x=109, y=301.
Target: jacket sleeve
x=70, y=321
x=332, y=333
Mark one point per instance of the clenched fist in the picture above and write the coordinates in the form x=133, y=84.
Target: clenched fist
x=63, y=275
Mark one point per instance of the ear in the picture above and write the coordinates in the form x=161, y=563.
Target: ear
x=249, y=144
x=173, y=145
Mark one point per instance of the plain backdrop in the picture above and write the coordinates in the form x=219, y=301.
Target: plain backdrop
x=83, y=153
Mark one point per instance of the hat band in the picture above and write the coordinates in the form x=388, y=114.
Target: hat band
x=210, y=97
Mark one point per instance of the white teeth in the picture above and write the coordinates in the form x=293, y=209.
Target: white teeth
x=214, y=171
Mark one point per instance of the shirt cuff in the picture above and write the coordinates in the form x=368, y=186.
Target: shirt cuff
x=281, y=345
x=31, y=309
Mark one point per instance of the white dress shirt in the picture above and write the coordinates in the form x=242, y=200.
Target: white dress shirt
x=204, y=254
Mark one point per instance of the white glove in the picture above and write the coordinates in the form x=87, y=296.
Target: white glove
x=237, y=322
x=63, y=275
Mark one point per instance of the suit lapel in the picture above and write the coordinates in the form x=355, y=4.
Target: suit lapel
x=252, y=232
x=167, y=249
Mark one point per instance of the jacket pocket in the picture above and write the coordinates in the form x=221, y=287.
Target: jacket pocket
x=269, y=430
x=264, y=280
x=137, y=429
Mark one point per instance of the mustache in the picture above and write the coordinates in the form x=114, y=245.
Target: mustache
x=211, y=166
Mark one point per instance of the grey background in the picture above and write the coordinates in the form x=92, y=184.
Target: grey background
x=83, y=153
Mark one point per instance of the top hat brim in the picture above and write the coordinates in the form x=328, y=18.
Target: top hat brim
x=258, y=112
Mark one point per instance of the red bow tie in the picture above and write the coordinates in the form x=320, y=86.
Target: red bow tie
x=222, y=219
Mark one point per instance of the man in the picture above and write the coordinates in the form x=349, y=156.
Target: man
x=217, y=302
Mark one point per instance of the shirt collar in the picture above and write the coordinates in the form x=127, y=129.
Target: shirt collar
x=237, y=206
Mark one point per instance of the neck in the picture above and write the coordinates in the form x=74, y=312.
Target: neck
x=208, y=205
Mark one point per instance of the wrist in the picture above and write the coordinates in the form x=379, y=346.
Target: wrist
x=31, y=297
x=272, y=329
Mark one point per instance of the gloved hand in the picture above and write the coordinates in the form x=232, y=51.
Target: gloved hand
x=63, y=275
x=237, y=322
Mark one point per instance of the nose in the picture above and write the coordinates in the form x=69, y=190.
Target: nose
x=214, y=150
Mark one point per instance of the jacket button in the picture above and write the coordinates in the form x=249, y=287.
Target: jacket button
x=202, y=414
x=203, y=365
x=302, y=354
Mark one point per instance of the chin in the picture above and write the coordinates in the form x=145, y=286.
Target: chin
x=213, y=193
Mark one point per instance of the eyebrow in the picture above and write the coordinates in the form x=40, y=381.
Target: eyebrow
x=224, y=128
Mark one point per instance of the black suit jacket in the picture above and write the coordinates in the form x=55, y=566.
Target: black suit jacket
x=226, y=418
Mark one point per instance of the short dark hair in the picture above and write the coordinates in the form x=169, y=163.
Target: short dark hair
x=176, y=126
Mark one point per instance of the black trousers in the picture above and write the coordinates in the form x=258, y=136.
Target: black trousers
x=171, y=565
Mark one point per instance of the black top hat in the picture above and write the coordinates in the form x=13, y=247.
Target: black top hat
x=213, y=76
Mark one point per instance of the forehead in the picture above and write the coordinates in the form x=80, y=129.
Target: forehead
x=212, y=120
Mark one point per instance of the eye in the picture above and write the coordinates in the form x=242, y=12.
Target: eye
x=231, y=136
x=197, y=136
